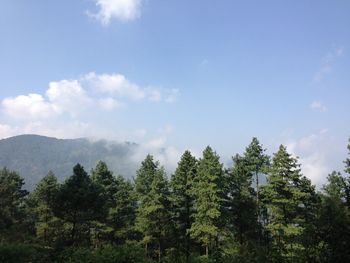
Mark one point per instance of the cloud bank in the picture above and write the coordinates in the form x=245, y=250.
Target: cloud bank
x=64, y=109
x=71, y=108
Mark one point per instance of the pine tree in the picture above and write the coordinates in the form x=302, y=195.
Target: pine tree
x=145, y=175
x=103, y=177
x=285, y=198
x=257, y=162
x=346, y=180
x=78, y=202
x=208, y=193
x=182, y=200
x=334, y=221
x=307, y=215
x=11, y=203
x=153, y=215
x=240, y=201
x=123, y=213
x=42, y=199
x=347, y=161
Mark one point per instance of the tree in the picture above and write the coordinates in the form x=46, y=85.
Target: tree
x=285, y=196
x=153, y=216
x=240, y=202
x=256, y=162
x=103, y=177
x=347, y=161
x=12, y=198
x=307, y=216
x=208, y=200
x=122, y=214
x=182, y=200
x=78, y=202
x=145, y=175
x=334, y=220
x=42, y=200
x=346, y=181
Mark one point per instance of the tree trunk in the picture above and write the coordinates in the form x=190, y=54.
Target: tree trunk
x=73, y=233
x=73, y=228
x=257, y=196
x=188, y=226
x=206, y=249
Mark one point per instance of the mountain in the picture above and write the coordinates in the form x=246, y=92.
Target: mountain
x=32, y=156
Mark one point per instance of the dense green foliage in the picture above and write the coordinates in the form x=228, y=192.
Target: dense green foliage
x=202, y=213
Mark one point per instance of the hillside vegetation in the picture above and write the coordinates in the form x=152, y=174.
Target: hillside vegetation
x=200, y=213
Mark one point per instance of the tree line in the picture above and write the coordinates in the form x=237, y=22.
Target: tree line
x=203, y=212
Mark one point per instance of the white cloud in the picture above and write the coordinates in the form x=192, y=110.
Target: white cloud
x=168, y=156
x=32, y=106
x=67, y=96
x=327, y=64
x=109, y=104
x=116, y=84
x=71, y=108
x=77, y=95
x=119, y=86
x=318, y=106
x=7, y=131
x=65, y=130
x=124, y=10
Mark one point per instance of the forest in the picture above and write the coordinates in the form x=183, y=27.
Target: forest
x=203, y=212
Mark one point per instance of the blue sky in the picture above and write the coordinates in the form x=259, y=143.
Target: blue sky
x=181, y=74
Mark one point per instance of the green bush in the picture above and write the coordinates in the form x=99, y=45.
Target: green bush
x=108, y=254
x=22, y=253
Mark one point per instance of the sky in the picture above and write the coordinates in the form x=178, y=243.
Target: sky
x=176, y=75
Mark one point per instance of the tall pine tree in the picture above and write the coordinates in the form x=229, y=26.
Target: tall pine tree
x=208, y=193
x=347, y=161
x=145, y=175
x=153, y=215
x=256, y=161
x=103, y=178
x=240, y=202
x=284, y=195
x=79, y=202
x=12, y=197
x=334, y=221
x=42, y=200
x=182, y=200
x=123, y=213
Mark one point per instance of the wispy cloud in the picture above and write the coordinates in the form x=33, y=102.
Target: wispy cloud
x=123, y=10
x=318, y=106
x=204, y=63
x=327, y=64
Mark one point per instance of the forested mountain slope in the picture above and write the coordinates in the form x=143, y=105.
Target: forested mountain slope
x=33, y=156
